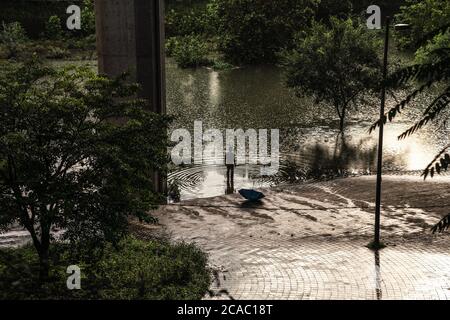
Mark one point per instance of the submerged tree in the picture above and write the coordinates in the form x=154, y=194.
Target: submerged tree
x=432, y=71
x=76, y=155
x=336, y=65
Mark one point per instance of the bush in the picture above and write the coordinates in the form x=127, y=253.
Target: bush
x=193, y=21
x=134, y=270
x=57, y=53
x=188, y=51
x=83, y=43
x=253, y=31
x=426, y=53
x=221, y=65
x=424, y=16
x=332, y=8
x=12, y=37
x=81, y=171
x=53, y=28
x=172, y=44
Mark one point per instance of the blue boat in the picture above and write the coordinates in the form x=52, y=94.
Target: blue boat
x=251, y=195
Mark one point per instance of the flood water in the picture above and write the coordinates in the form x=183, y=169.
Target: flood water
x=310, y=144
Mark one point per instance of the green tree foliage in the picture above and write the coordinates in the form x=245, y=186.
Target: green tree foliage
x=88, y=18
x=133, y=270
x=331, y=8
x=12, y=37
x=336, y=64
x=188, y=51
x=76, y=154
x=425, y=53
x=423, y=16
x=192, y=21
x=53, y=28
x=253, y=31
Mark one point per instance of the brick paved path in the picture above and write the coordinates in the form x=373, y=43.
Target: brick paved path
x=312, y=269
x=308, y=242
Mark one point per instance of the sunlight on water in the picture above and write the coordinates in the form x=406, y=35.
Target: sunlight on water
x=255, y=97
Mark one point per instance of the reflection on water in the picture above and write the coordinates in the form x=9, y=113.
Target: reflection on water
x=311, y=147
x=378, y=279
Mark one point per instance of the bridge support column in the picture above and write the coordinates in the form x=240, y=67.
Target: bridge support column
x=130, y=38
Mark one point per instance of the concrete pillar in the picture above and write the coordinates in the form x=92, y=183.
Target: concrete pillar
x=130, y=38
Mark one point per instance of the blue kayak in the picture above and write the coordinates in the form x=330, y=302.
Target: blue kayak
x=251, y=195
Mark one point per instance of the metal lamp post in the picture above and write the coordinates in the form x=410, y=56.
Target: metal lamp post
x=376, y=242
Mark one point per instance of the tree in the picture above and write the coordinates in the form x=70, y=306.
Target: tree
x=253, y=31
x=76, y=155
x=337, y=65
x=433, y=71
x=423, y=16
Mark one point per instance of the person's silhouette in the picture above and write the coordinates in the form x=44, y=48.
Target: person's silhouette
x=230, y=163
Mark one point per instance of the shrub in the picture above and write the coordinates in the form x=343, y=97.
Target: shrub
x=83, y=43
x=221, y=65
x=53, y=28
x=189, y=51
x=12, y=37
x=187, y=22
x=171, y=45
x=427, y=52
x=194, y=19
x=134, y=269
x=57, y=53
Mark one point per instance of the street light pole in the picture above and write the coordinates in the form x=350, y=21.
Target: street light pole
x=376, y=242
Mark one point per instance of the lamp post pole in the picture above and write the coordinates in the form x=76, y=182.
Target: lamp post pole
x=380, y=138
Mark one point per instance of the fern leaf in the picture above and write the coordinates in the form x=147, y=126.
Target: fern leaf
x=392, y=113
x=439, y=163
x=435, y=108
x=433, y=72
x=443, y=225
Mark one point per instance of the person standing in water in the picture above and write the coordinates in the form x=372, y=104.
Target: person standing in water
x=230, y=163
